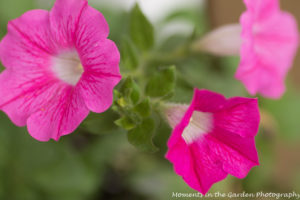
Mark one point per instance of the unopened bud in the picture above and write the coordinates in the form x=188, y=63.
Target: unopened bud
x=223, y=41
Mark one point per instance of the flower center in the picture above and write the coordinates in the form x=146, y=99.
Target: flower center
x=200, y=123
x=67, y=67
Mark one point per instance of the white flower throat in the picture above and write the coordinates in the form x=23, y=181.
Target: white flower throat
x=67, y=67
x=200, y=123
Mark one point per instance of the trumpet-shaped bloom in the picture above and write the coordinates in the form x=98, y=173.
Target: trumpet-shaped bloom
x=270, y=41
x=213, y=137
x=59, y=66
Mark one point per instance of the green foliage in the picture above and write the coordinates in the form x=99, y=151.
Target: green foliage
x=162, y=83
x=143, y=108
x=196, y=17
x=182, y=14
x=135, y=115
x=141, y=30
x=130, y=91
x=129, y=55
x=135, y=110
x=141, y=136
x=125, y=122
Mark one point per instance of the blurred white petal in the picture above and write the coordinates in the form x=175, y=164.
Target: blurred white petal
x=223, y=41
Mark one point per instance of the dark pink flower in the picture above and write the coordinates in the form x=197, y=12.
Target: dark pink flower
x=59, y=66
x=213, y=137
x=270, y=41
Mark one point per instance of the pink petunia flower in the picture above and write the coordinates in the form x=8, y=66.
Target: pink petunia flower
x=270, y=41
x=213, y=137
x=59, y=66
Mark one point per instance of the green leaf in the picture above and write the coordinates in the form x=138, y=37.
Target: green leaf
x=195, y=16
x=143, y=108
x=162, y=83
x=129, y=55
x=102, y=123
x=186, y=14
x=125, y=122
x=130, y=91
x=141, y=30
x=141, y=136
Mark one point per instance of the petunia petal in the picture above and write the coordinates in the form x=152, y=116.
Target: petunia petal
x=204, y=101
x=198, y=167
x=91, y=29
x=228, y=147
x=262, y=9
x=75, y=24
x=207, y=101
x=262, y=79
x=103, y=58
x=100, y=76
x=270, y=40
x=97, y=91
x=239, y=116
x=50, y=107
x=209, y=160
x=20, y=93
x=238, y=154
x=60, y=117
x=27, y=44
x=59, y=65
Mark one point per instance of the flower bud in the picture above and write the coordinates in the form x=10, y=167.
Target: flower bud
x=223, y=41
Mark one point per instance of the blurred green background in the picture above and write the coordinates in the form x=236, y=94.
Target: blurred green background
x=98, y=162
